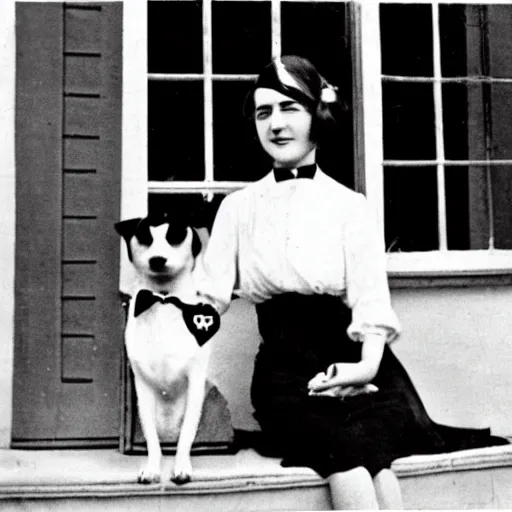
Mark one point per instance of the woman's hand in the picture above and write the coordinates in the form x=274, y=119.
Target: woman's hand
x=340, y=375
x=352, y=374
x=317, y=385
x=346, y=391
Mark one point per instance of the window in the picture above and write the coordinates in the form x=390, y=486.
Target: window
x=446, y=102
x=429, y=85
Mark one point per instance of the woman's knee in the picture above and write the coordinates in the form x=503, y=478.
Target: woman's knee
x=358, y=472
x=353, y=489
x=358, y=476
x=385, y=475
x=387, y=489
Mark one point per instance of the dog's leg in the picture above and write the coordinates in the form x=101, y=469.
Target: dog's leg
x=182, y=470
x=150, y=472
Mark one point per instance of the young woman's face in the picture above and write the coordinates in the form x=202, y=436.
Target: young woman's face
x=284, y=128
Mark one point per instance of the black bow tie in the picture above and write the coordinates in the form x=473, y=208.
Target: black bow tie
x=306, y=171
x=202, y=320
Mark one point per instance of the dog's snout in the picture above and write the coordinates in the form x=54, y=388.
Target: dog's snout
x=157, y=263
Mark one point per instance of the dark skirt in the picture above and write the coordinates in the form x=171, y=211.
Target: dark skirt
x=302, y=335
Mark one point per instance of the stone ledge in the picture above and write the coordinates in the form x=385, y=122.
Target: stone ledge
x=465, y=460
x=107, y=473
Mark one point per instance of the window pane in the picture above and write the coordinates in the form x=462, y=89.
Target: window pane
x=477, y=121
x=460, y=199
x=501, y=186
x=410, y=209
x=456, y=33
x=475, y=197
x=237, y=152
x=318, y=32
x=408, y=121
x=501, y=112
x=463, y=118
x=175, y=131
x=499, y=23
x=194, y=207
x=241, y=36
x=175, y=37
x=406, y=40
x=476, y=40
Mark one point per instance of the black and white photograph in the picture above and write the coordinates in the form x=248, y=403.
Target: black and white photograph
x=256, y=255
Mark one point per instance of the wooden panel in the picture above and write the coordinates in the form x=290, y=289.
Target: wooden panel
x=38, y=132
x=81, y=154
x=96, y=418
x=81, y=239
x=78, y=316
x=110, y=316
x=81, y=116
x=82, y=75
x=77, y=358
x=82, y=30
x=79, y=279
x=81, y=195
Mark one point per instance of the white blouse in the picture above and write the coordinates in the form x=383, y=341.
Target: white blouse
x=311, y=236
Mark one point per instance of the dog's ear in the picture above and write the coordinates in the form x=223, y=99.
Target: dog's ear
x=196, y=243
x=126, y=228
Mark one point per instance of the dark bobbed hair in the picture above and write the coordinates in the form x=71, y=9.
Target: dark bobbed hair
x=307, y=90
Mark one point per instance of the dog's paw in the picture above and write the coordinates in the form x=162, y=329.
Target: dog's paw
x=148, y=475
x=182, y=472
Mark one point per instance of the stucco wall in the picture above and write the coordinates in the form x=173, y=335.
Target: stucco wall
x=456, y=345
x=6, y=216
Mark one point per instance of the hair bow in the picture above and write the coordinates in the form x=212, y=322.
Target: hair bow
x=328, y=94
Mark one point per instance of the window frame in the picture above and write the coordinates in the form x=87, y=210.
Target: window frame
x=478, y=266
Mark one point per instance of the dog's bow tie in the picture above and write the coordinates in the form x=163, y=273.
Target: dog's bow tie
x=306, y=171
x=202, y=320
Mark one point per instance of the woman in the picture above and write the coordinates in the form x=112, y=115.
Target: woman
x=327, y=390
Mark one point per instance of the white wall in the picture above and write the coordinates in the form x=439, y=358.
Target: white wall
x=7, y=220
x=457, y=344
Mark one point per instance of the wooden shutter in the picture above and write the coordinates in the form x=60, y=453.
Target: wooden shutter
x=68, y=323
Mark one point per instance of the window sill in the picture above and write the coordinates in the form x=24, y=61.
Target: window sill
x=449, y=269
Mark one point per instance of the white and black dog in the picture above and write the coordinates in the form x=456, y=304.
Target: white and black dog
x=166, y=333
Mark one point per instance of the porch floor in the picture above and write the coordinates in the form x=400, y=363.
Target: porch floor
x=461, y=480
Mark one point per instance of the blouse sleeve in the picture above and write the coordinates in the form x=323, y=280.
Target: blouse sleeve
x=366, y=278
x=216, y=274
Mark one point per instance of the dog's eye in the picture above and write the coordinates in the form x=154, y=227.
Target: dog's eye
x=144, y=236
x=176, y=234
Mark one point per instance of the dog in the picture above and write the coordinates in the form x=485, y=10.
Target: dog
x=166, y=335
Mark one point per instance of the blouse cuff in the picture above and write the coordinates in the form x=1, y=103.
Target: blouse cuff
x=390, y=332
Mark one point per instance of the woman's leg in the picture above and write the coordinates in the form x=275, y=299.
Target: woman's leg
x=353, y=490
x=387, y=490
